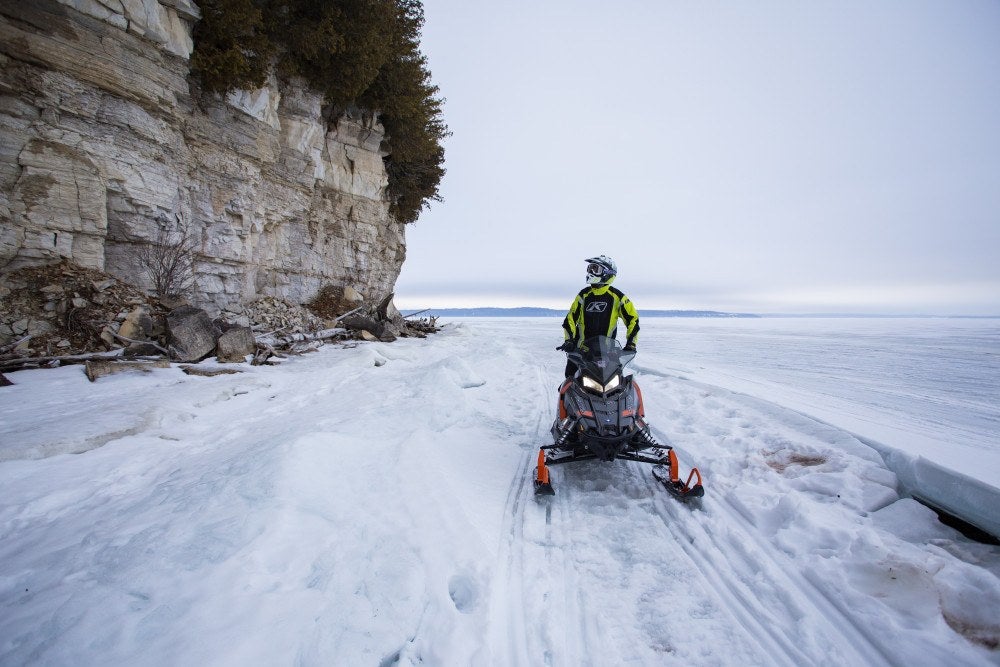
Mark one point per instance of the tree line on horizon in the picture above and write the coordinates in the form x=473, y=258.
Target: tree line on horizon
x=361, y=54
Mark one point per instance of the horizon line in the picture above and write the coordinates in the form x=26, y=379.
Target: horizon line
x=696, y=312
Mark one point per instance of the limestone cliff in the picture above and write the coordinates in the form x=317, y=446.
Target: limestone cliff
x=104, y=149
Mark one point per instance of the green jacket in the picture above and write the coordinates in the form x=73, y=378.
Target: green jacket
x=595, y=312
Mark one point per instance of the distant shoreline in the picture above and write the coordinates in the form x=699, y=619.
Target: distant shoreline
x=527, y=311
x=550, y=312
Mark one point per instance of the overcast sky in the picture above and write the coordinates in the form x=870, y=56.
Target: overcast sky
x=769, y=157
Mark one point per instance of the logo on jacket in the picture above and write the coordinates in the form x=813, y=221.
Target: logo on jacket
x=597, y=307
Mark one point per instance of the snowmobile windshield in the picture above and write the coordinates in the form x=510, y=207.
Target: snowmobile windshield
x=602, y=358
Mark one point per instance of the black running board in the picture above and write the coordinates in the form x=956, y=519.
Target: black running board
x=658, y=456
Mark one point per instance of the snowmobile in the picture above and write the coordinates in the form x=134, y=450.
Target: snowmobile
x=601, y=417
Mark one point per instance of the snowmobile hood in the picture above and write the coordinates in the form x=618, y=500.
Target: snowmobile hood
x=601, y=358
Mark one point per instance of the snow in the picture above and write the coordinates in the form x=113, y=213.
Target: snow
x=373, y=505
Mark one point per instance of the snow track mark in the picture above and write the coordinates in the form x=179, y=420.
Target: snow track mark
x=512, y=641
x=735, y=549
x=760, y=588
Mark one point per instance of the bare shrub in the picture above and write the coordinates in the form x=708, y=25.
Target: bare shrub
x=168, y=262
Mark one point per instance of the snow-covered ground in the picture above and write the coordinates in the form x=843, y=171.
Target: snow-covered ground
x=923, y=392
x=373, y=506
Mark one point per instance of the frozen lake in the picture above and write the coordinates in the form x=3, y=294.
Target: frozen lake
x=929, y=387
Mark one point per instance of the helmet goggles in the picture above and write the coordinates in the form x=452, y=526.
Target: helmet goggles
x=601, y=270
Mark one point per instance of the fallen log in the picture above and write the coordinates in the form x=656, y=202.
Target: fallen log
x=209, y=371
x=14, y=345
x=141, y=342
x=30, y=362
x=99, y=369
x=350, y=312
x=280, y=341
x=303, y=348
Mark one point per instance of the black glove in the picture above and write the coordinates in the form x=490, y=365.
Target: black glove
x=630, y=347
x=568, y=346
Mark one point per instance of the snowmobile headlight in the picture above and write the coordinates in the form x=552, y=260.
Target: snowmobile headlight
x=593, y=385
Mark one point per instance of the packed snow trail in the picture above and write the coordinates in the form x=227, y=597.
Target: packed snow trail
x=374, y=505
x=612, y=565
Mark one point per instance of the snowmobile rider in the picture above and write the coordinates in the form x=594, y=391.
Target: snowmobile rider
x=597, y=308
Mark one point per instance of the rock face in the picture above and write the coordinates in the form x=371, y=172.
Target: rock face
x=105, y=148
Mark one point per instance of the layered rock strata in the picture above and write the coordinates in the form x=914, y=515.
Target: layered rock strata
x=106, y=148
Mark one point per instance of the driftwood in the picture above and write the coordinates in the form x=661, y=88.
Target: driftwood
x=350, y=312
x=416, y=313
x=262, y=355
x=99, y=369
x=11, y=346
x=420, y=328
x=284, y=341
x=304, y=347
x=209, y=371
x=31, y=362
x=266, y=335
x=141, y=342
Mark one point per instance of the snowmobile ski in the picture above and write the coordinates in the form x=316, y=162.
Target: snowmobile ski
x=543, y=487
x=683, y=491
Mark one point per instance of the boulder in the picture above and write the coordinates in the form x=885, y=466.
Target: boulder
x=234, y=345
x=191, y=333
x=173, y=302
x=137, y=325
x=390, y=332
x=352, y=296
x=39, y=327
